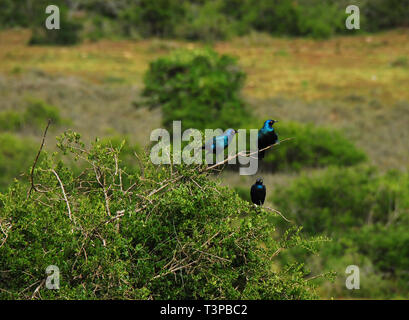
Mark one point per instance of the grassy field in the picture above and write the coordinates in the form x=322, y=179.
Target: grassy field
x=372, y=66
x=357, y=84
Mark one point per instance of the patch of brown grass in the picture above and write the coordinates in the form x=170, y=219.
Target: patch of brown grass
x=304, y=68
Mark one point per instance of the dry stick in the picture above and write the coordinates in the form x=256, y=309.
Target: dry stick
x=279, y=213
x=64, y=194
x=277, y=252
x=37, y=289
x=36, y=160
x=104, y=190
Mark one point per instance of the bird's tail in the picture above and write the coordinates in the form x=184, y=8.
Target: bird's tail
x=261, y=154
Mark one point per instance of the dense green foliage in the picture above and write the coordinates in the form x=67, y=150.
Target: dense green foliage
x=311, y=146
x=35, y=115
x=367, y=216
x=16, y=156
x=200, y=20
x=340, y=198
x=199, y=87
x=381, y=14
x=68, y=34
x=157, y=233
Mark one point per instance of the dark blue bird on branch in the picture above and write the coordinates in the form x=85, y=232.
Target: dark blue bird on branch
x=258, y=192
x=266, y=137
x=219, y=143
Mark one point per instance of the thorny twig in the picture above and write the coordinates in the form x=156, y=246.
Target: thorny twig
x=33, y=187
x=279, y=213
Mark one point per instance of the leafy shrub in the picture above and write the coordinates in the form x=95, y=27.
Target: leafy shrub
x=14, y=13
x=38, y=112
x=11, y=121
x=367, y=216
x=172, y=234
x=206, y=23
x=310, y=147
x=202, y=19
x=381, y=15
x=199, y=87
x=68, y=34
x=130, y=154
x=339, y=199
x=386, y=246
x=321, y=20
x=153, y=18
x=380, y=251
x=36, y=115
x=16, y=156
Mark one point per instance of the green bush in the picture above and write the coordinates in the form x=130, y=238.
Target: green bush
x=36, y=115
x=206, y=23
x=11, y=121
x=16, y=156
x=199, y=87
x=14, y=13
x=310, y=147
x=173, y=234
x=153, y=18
x=321, y=20
x=367, y=216
x=202, y=19
x=341, y=199
x=39, y=112
x=381, y=14
x=68, y=34
x=381, y=253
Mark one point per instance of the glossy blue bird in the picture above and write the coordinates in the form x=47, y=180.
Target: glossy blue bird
x=266, y=137
x=221, y=142
x=258, y=192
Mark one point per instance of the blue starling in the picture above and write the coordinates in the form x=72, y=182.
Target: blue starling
x=266, y=137
x=221, y=142
x=258, y=192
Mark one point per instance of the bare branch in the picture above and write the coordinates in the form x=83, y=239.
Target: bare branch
x=244, y=154
x=64, y=194
x=279, y=213
x=36, y=160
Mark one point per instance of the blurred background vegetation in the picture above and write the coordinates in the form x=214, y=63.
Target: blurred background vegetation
x=119, y=69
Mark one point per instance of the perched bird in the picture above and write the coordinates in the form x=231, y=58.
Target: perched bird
x=266, y=136
x=258, y=192
x=221, y=142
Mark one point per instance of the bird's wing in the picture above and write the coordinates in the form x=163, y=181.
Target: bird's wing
x=210, y=144
x=219, y=143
